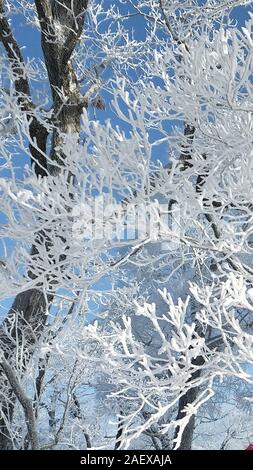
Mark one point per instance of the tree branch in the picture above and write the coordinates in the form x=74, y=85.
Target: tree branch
x=16, y=59
x=24, y=401
x=38, y=132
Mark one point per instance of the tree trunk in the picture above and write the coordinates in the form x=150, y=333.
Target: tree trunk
x=188, y=398
x=187, y=436
x=29, y=310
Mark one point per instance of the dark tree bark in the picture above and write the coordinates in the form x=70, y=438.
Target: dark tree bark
x=187, y=436
x=187, y=399
x=118, y=436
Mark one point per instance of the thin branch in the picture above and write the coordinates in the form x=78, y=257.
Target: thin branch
x=171, y=31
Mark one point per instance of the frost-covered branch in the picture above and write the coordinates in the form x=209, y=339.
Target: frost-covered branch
x=24, y=401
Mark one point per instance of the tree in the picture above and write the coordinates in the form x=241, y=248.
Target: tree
x=191, y=99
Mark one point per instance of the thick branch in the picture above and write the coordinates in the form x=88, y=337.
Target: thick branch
x=24, y=401
x=188, y=398
x=16, y=59
x=61, y=28
x=38, y=132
